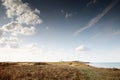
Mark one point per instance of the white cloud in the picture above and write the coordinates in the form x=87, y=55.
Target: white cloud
x=23, y=22
x=11, y=45
x=23, y=8
x=21, y=15
x=28, y=31
x=11, y=6
x=32, y=46
x=1, y=32
x=11, y=27
x=15, y=28
x=81, y=49
x=11, y=42
x=29, y=18
x=97, y=18
x=22, y=12
x=37, y=11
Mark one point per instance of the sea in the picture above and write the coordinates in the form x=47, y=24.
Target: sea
x=105, y=64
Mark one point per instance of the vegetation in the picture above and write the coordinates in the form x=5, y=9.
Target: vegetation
x=55, y=71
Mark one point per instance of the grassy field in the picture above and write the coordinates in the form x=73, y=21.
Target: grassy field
x=55, y=71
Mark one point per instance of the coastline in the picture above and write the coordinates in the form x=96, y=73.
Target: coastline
x=105, y=64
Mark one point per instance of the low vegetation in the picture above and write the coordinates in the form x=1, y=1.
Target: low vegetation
x=55, y=71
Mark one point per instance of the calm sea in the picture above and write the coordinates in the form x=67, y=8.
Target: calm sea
x=105, y=64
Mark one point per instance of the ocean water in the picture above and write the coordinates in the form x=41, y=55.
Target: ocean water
x=105, y=64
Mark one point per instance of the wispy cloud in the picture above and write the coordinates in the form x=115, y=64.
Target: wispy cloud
x=97, y=18
x=66, y=14
x=96, y=36
x=116, y=32
x=91, y=2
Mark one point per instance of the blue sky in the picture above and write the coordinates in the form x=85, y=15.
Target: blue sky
x=55, y=30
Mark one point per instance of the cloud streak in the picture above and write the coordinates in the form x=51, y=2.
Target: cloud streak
x=97, y=18
x=91, y=2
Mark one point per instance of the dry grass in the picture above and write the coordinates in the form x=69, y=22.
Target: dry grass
x=55, y=71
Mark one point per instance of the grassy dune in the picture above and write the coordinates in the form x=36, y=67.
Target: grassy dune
x=55, y=71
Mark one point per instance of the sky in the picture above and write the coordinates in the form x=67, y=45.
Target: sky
x=60, y=30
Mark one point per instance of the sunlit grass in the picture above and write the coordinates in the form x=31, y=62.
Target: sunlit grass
x=56, y=71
